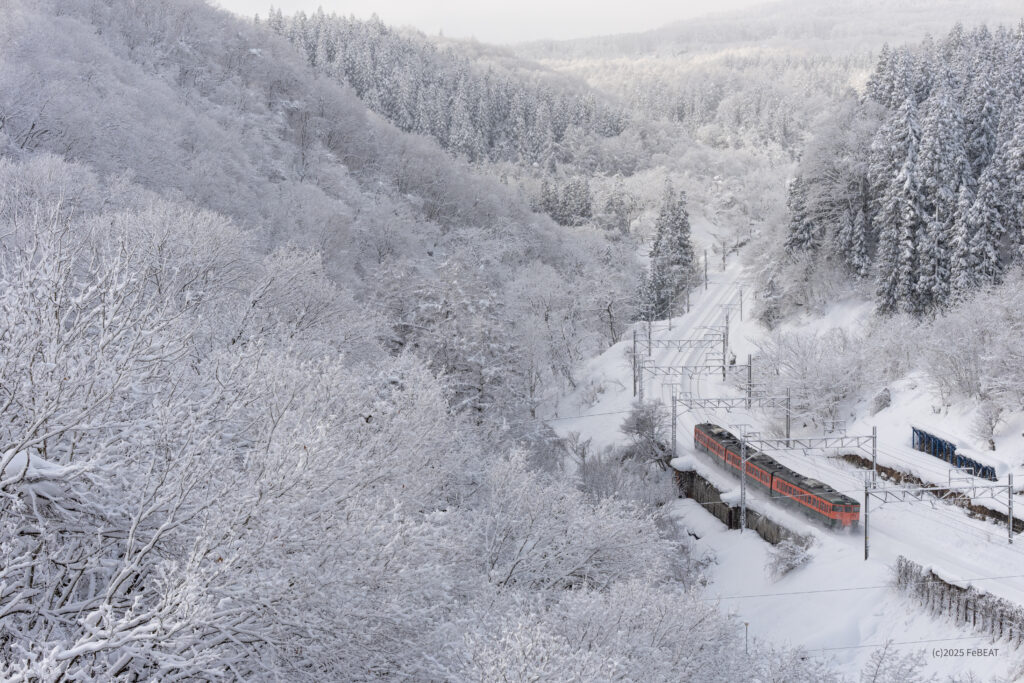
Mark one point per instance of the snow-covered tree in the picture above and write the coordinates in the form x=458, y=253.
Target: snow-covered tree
x=899, y=215
x=802, y=231
x=671, y=256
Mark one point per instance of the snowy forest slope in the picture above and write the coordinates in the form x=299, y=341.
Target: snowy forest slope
x=268, y=371
x=925, y=191
x=758, y=77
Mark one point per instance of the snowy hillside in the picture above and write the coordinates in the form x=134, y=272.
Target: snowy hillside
x=837, y=605
x=320, y=342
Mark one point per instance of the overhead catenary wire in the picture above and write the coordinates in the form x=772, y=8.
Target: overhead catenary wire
x=847, y=589
x=902, y=642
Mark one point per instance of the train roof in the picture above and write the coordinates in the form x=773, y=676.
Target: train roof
x=715, y=430
x=765, y=462
x=820, y=489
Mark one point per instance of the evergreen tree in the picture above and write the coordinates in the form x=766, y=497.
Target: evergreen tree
x=672, y=258
x=899, y=213
x=962, y=267
x=1011, y=167
x=549, y=202
x=801, y=228
x=853, y=241
x=619, y=209
x=942, y=166
x=982, y=123
x=986, y=226
x=577, y=203
x=880, y=83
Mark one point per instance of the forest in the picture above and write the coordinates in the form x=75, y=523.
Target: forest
x=270, y=366
x=289, y=302
x=918, y=184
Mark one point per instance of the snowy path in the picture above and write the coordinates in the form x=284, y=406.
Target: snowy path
x=850, y=605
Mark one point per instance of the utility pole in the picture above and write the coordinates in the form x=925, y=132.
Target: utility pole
x=650, y=323
x=874, y=454
x=743, y=483
x=673, y=423
x=640, y=380
x=634, y=362
x=750, y=379
x=741, y=304
x=789, y=412
x=725, y=346
x=705, y=270
x=724, y=252
x=1009, y=505
x=867, y=498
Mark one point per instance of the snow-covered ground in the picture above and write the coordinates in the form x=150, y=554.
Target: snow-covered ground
x=838, y=604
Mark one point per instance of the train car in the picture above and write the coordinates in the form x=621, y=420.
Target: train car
x=814, y=498
x=944, y=449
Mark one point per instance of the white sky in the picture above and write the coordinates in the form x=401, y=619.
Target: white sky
x=507, y=21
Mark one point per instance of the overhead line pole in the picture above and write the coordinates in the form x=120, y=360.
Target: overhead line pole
x=743, y=484
x=725, y=346
x=789, y=412
x=867, y=504
x=640, y=380
x=634, y=362
x=673, y=422
x=750, y=377
x=874, y=453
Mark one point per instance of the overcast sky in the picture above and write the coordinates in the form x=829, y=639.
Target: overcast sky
x=507, y=21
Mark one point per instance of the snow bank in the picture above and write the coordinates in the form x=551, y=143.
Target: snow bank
x=686, y=463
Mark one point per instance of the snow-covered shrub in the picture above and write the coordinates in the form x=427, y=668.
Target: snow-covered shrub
x=788, y=555
x=539, y=533
x=888, y=664
x=646, y=426
x=609, y=475
x=590, y=393
x=882, y=400
x=986, y=420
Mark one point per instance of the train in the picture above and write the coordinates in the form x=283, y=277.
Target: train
x=817, y=500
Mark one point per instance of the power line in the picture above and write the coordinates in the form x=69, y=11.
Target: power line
x=903, y=642
x=568, y=417
x=852, y=588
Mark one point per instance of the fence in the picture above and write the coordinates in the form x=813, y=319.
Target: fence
x=986, y=613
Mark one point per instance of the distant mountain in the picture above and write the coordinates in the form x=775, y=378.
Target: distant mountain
x=823, y=26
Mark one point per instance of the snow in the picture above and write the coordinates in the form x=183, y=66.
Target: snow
x=38, y=479
x=856, y=608
x=686, y=463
